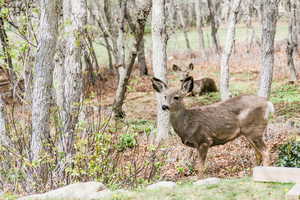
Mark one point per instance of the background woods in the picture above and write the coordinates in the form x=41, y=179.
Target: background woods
x=76, y=99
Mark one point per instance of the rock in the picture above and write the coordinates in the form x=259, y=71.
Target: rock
x=294, y=193
x=84, y=191
x=162, y=184
x=208, y=181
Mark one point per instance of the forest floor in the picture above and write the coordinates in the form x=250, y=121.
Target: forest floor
x=236, y=158
x=233, y=161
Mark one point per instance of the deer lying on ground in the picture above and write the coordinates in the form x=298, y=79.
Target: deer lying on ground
x=201, y=86
x=218, y=123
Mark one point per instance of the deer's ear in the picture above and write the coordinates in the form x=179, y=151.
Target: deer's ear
x=158, y=85
x=176, y=68
x=191, y=66
x=187, y=85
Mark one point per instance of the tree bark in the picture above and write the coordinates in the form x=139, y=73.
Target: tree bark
x=159, y=43
x=142, y=59
x=4, y=139
x=43, y=70
x=75, y=18
x=269, y=13
x=214, y=26
x=184, y=26
x=199, y=25
x=292, y=39
x=224, y=75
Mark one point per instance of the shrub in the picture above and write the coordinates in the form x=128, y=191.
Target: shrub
x=289, y=154
x=126, y=140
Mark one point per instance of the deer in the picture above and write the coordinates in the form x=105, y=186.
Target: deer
x=216, y=124
x=201, y=86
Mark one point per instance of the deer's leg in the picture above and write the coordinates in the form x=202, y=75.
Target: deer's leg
x=202, y=153
x=262, y=154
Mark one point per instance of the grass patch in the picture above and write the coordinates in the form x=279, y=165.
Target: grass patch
x=286, y=99
x=228, y=189
x=285, y=93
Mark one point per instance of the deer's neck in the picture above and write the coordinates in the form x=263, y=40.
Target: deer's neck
x=177, y=117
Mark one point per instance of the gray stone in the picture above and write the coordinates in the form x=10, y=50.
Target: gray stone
x=277, y=174
x=84, y=191
x=162, y=184
x=294, y=193
x=208, y=181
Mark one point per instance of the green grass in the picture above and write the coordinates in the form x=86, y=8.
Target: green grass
x=228, y=189
x=285, y=93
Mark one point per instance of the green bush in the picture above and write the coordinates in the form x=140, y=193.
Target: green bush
x=289, y=154
x=126, y=140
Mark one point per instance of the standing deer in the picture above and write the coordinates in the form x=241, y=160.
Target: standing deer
x=218, y=123
x=201, y=86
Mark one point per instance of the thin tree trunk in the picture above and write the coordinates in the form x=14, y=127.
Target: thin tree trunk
x=43, y=70
x=4, y=139
x=184, y=27
x=171, y=8
x=142, y=59
x=199, y=29
x=269, y=13
x=123, y=68
x=298, y=25
x=159, y=42
x=224, y=75
x=214, y=26
x=121, y=63
x=75, y=11
x=28, y=76
x=292, y=40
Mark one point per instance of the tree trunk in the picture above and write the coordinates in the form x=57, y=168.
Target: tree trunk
x=269, y=13
x=292, y=40
x=214, y=26
x=75, y=12
x=298, y=24
x=43, y=70
x=137, y=27
x=28, y=76
x=121, y=63
x=4, y=139
x=199, y=29
x=184, y=26
x=159, y=42
x=142, y=59
x=171, y=8
x=224, y=75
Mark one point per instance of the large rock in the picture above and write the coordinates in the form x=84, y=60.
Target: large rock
x=294, y=193
x=162, y=184
x=208, y=181
x=78, y=191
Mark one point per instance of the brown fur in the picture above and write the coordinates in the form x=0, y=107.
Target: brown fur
x=204, y=85
x=218, y=123
x=201, y=86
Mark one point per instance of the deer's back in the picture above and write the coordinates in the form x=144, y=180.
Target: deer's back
x=205, y=85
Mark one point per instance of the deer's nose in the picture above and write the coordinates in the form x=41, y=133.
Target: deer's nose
x=164, y=107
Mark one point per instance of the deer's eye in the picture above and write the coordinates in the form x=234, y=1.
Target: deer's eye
x=165, y=97
x=176, y=98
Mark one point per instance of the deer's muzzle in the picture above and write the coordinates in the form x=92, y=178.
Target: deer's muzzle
x=164, y=107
